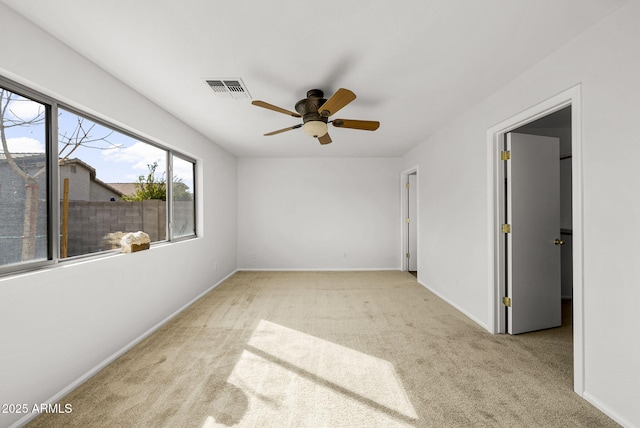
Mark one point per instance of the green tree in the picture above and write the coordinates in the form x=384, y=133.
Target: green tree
x=149, y=186
x=152, y=187
x=181, y=191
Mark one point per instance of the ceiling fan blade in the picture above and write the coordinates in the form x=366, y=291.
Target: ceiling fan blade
x=274, y=108
x=283, y=130
x=341, y=98
x=325, y=139
x=367, y=125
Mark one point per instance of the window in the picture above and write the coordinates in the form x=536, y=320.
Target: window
x=118, y=186
x=183, y=198
x=107, y=183
x=23, y=179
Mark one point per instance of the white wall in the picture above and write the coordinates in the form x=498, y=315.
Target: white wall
x=56, y=324
x=319, y=213
x=454, y=206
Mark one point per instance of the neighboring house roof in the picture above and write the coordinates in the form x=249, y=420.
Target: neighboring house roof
x=119, y=189
x=109, y=186
x=3, y=156
x=125, y=188
x=31, y=163
x=92, y=174
x=76, y=161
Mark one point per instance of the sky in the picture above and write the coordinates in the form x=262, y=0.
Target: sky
x=116, y=157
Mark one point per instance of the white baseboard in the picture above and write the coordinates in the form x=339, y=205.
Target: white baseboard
x=467, y=314
x=316, y=269
x=608, y=411
x=87, y=375
x=590, y=398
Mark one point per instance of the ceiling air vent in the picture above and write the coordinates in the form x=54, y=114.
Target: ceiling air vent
x=233, y=88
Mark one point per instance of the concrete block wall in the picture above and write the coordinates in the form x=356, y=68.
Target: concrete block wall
x=90, y=223
x=12, y=206
x=183, y=218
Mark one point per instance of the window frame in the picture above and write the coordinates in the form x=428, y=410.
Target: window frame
x=48, y=105
x=52, y=107
x=170, y=209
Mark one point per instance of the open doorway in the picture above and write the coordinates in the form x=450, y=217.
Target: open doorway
x=559, y=301
x=409, y=226
x=559, y=115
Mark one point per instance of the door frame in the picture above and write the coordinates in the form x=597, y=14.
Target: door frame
x=495, y=191
x=404, y=213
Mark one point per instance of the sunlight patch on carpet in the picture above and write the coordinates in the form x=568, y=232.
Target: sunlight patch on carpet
x=296, y=379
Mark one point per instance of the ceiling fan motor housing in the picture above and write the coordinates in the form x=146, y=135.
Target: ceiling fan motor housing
x=308, y=109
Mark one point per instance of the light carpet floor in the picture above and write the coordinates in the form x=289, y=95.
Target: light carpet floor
x=332, y=349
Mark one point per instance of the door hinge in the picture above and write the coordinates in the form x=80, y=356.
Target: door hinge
x=506, y=228
x=505, y=155
x=408, y=220
x=408, y=255
x=506, y=301
x=408, y=185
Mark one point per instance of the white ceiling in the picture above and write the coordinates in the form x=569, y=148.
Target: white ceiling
x=414, y=65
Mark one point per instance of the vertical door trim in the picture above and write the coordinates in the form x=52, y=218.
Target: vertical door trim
x=404, y=213
x=495, y=185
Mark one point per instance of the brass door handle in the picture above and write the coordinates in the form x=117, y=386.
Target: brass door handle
x=558, y=241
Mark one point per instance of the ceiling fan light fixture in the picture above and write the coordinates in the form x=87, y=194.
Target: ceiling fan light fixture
x=315, y=112
x=315, y=128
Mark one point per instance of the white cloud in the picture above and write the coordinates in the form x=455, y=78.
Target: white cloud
x=25, y=109
x=139, y=155
x=24, y=145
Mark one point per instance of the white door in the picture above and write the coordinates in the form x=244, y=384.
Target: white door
x=533, y=245
x=412, y=231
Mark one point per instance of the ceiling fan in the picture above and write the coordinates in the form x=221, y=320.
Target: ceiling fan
x=315, y=111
